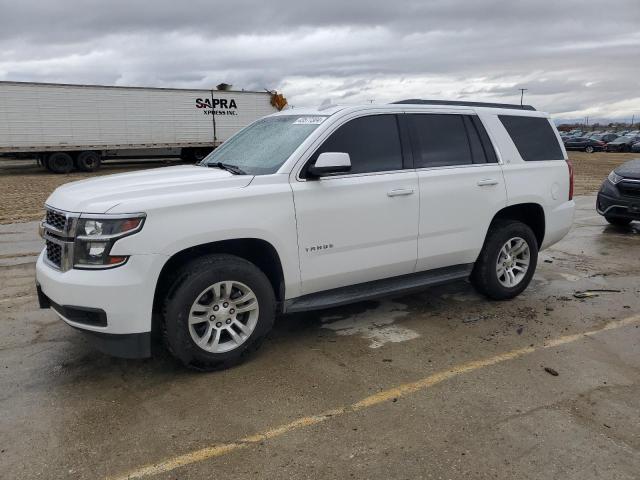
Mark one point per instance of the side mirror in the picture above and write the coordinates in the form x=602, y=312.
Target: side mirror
x=330, y=163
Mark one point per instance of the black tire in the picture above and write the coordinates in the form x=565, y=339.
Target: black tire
x=589, y=149
x=200, y=154
x=191, y=281
x=59, y=162
x=617, y=221
x=195, y=154
x=484, y=276
x=88, y=161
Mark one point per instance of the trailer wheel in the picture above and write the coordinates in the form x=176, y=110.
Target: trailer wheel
x=88, y=161
x=195, y=154
x=200, y=153
x=59, y=162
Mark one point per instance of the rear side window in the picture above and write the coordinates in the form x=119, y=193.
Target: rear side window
x=439, y=140
x=448, y=140
x=533, y=137
x=373, y=144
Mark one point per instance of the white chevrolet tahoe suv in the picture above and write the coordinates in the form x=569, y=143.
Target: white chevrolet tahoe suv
x=303, y=210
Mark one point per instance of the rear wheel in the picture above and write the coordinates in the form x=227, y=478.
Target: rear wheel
x=589, y=149
x=218, y=311
x=88, y=161
x=507, y=261
x=59, y=162
x=617, y=221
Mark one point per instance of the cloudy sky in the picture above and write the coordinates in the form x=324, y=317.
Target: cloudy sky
x=576, y=58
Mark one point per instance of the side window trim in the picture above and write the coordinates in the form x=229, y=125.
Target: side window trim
x=466, y=120
x=405, y=141
x=487, y=145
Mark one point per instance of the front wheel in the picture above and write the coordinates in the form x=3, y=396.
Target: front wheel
x=589, y=149
x=218, y=310
x=507, y=261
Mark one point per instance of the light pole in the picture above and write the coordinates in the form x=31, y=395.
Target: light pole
x=522, y=90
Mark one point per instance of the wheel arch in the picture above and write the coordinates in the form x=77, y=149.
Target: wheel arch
x=257, y=251
x=531, y=214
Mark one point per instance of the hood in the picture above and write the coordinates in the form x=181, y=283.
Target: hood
x=100, y=194
x=631, y=169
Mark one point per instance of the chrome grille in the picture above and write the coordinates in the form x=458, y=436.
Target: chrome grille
x=56, y=219
x=54, y=253
x=58, y=230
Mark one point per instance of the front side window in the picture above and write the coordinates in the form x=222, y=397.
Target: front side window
x=265, y=145
x=373, y=144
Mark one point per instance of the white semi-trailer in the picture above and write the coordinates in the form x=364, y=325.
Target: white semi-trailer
x=77, y=126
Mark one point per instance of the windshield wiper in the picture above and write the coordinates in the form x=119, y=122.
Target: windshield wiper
x=228, y=167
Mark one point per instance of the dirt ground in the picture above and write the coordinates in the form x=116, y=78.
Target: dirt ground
x=25, y=186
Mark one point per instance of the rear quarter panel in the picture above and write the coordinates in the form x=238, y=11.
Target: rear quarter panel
x=545, y=183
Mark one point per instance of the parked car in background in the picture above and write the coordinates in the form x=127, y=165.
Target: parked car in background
x=584, y=144
x=619, y=197
x=604, y=137
x=621, y=144
x=635, y=148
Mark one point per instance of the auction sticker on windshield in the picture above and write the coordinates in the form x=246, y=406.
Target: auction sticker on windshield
x=309, y=121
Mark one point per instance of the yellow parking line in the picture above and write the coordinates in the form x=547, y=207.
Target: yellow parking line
x=375, y=399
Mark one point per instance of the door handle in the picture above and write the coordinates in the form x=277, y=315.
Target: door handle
x=400, y=191
x=487, y=182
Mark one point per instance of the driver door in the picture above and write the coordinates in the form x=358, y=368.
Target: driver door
x=363, y=225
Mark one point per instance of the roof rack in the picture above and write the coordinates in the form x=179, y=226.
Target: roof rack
x=418, y=101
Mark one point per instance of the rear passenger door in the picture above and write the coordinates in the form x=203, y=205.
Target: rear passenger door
x=461, y=187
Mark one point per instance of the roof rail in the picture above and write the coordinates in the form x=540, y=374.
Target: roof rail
x=418, y=101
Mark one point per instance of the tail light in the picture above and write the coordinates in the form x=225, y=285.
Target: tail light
x=570, y=165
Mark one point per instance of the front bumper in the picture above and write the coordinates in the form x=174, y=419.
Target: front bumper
x=612, y=203
x=114, y=307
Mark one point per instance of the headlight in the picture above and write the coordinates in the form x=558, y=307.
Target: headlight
x=614, y=177
x=95, y=238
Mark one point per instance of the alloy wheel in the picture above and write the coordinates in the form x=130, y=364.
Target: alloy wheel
x=223, y=316
x=513, y=262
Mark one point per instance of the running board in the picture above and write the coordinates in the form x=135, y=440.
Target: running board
x=376, y=289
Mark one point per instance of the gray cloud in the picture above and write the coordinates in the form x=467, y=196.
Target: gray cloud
x=575, y=57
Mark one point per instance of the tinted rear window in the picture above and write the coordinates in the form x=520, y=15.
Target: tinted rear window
x=533, y=136
x=439, y=140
